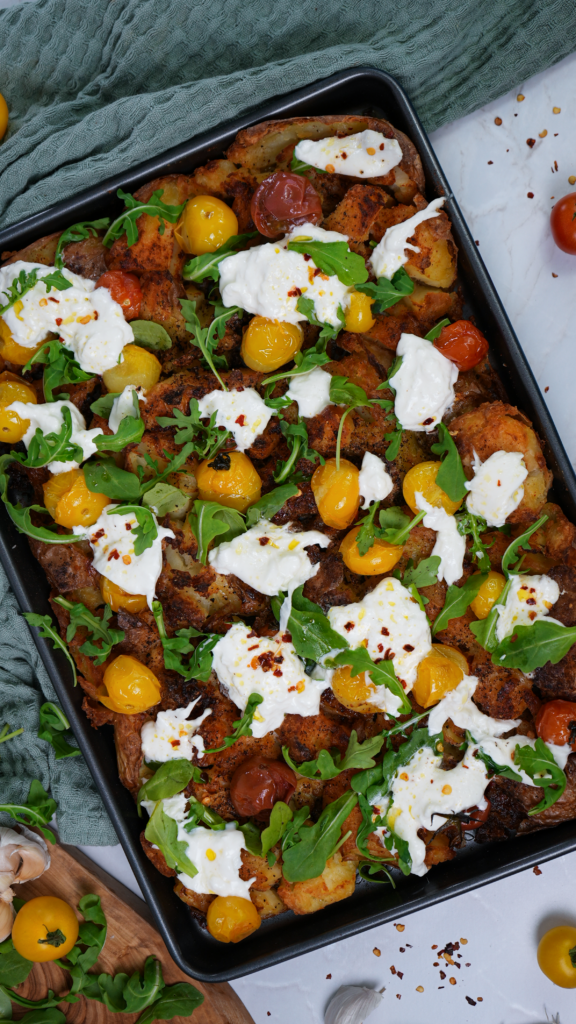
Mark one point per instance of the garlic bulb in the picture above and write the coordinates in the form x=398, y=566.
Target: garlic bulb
x=6, y=914
x=352, y=1004
x=23, y=857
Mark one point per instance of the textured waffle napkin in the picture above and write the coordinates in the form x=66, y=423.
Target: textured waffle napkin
x=96, y=86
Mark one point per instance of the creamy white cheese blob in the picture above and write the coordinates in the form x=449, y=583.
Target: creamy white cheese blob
x=242, y=412
x=86, y=318
x=424, y=384
x=247, y=664
x=375, y=482
x=48, y=418
x=269, y=279
x=496, y=488
x=125, y=405
x=311, y=391
x=389, y=254
x=366, y=154
x=269, y=558
x=392, y=623
x=450, y=546
x=171, y=736
x=529, y=598
x=216, y=855
x=112, y=541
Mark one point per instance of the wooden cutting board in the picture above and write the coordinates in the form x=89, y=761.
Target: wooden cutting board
x=131, y=938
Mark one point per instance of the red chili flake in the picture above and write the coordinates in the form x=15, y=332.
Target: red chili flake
x=434, y=947
x=240, y=388
x=254, y=647
x=476, y=242
x=344, y=155
x=174, y=743
x=532, y=590
x=263, y=541
x=498, y=483
x=398, y=996
x=442, y=975
x=95, y=314
x=546, y=390
x=400, y=974
x=435, y=964
x=265, y=660
x=384, y=631
x=381, y=146
x=380, y=648
x=555, y=165
x=530, y=195
x=530, y=600
x=287, y=638
x=294, y=292
x=348, y=626
x=471, y=1001
x=393, y=970
x=402, y=950
x=328, y=977
x=530, y=142
x=467, y=965
x=57, y=301
x=408, y=647
x=278, y=659
x=388, y=654
x=490, y=161
x=427, y=422
x=96, y=536
x=240, y=420
x=128, y=526
x=409, y=945
x=113, y=554
x=307, y=257
x=250, y=635
x=536, y=870
x=532, y=615
x=277, y=673
x=58, y=321
x=291, y=689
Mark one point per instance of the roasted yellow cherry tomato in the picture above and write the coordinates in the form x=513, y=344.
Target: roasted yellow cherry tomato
x=118, y=598
x=230, y=479
x=129, y=686
x=12, y=389
x=139, y=367
x=554, y=958
x=232, y=918
x=422, y=479
x=488, y=594
x=337, y=492
x=69, y=501
x=359, y=314
x=439, y=672
x=381, y=557
x=45, y=928
x=353, y=692
x=3, y=116
x=10, y=350
x=268, y=344
x=206, y=223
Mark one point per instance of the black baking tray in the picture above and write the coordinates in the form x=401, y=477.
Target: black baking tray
x=356, y=90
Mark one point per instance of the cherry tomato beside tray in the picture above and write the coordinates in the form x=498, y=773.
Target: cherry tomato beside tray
x=282, y=202
x=563, y=223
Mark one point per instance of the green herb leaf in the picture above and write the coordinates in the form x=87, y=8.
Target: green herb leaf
x=150, y=335
x=98, y=629
x=458, y=599
x=344, y=392
x=164, y=498
x=179, y=1000
x=328, y=332
x=492, y=767
x=471, y=525
x=199, y=665
x=242, y=727
x=485, y=629
x=210, y=520
x=425, y=574
x=20, y=285
x=207, y=338
x=53, y=729
x=300, y=166
x=45, y=627
x=38, y=810
x=53, y=447
x=279, y=818
x=334, y=259
x=387, y=293
x=77, y=233
x=105, y=477
x=312, y=635
x=381, y=673
x=325, y=766
x=532, y=647
x=206, y=267
x=205, y=440
x=147, y=530
x=512, y=561
x=450, y=476
x=162, y=830
x=308, y=857
x=56, y=280
x=126, y=222
x=60, y=368
x=270, y=504
x=375, y=781
x=538, y=762
x=435, y=332
x=170, y=778
x=14, y=969
x=296, y=437
x=130, y=430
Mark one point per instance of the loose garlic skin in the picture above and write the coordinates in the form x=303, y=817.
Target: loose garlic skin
x=23, y=857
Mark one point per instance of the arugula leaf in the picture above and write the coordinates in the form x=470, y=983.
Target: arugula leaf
x=210, y=520
x=344, y=392
x=164, y=498
x=199, y=665
x=92, y=934
x=206, y=338
x=393, y=842
x=311, y=632
x=328, y=332
x=60, y=368
x=175, y=462
x=538, y=762
x=333, y=258
x=105, y=477
x=307, y=858
x=206, y=267
x=14, y=968
x=162, y=831
x=147, y=530
x=150, y=335
x=458, y=599
x=382, y=673
x=170, y=778
x=325, y=766
x=485, y=629
x=279, y=818
x=435, y=332
x=37, y=811
x=394, y=527
x=376, y=781
x=199, y=813
x=470, y=525
x=296, y=437
x=53, y=447
x=130, y=430
x=20, y=285
x=179, y=1000
x=53, y=728
x=252, y=838
x=206, y=441
x=242, y=727
x=491, y=765
x=270, y=504
x=77, y=233
x=394, y=438
x=56, y=280
x=425, y=574
x=43, y=624
x=532, y=647
x=387, y=293
x=126, y=222
x=98, y=629
x=450, y=476
x=511, y=560
x=299, y=166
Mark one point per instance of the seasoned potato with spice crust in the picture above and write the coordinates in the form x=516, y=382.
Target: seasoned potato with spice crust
x=337, y=881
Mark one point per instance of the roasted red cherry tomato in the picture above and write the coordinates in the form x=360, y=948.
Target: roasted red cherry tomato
x=556, y=722
x=125, y=290
x=563, y=223
x=477, y=817
x=462, y=343
x=282, y=202
x=258, y=783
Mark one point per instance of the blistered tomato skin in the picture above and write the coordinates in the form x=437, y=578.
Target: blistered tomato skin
x=206, y=223
x=477, y=817
x=138, y=367
x=258, y=783
x=488, y=594
x=45, y=929
x=232, y=918
x=439, y=672
x=336, y=492
x=556, y=722
x=462, y=343
x=129, y=686
x=359, y=314
x=75, y=505
x=118, y=598
x=381, y=557
x=125, y=290
x=269, y=344
x=230, y=479
x=10, y=350
x=422, y=479
x=12, y=426
x=554, y=956
x=282, y=202
x=563, y=223
x=353, y=692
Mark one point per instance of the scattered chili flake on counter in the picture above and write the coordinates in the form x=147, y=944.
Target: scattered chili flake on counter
x=555, y=165
x=435, y=946
x=376, y=951
x=498, y=120
x=398, y=996
x=400, y=974
x=467, y=965
x=542, y=135
x=490, y=161
x=436, y=964
x=420, y=988
x=480, y=999
x=572, y=179
x=464, y=942
x=452, y=981
x=471, y=1001
x=556, y=110
x=392, y=969
x=530, y=142
x=442, y=975
x=536, y=869
x=328, y=977
x=520, y=97
x=399, y=927
x=530, y=195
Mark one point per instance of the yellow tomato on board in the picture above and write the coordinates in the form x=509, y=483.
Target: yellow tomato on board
x=45, y=928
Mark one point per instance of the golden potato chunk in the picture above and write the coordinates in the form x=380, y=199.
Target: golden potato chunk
x=337, y=882
x=435, y=263
x=268, y=904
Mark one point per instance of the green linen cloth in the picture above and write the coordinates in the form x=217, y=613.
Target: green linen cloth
x=96, y=86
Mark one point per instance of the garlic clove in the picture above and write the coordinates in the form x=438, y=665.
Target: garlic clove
x=23, y=856
x=352, y=1004
x=6, y=919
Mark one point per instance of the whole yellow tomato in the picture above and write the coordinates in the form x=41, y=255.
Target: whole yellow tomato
x=555, y=952
x=45, y=928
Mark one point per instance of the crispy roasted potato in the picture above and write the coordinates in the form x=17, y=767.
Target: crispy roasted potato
x=337, y=881
x=435, y=262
